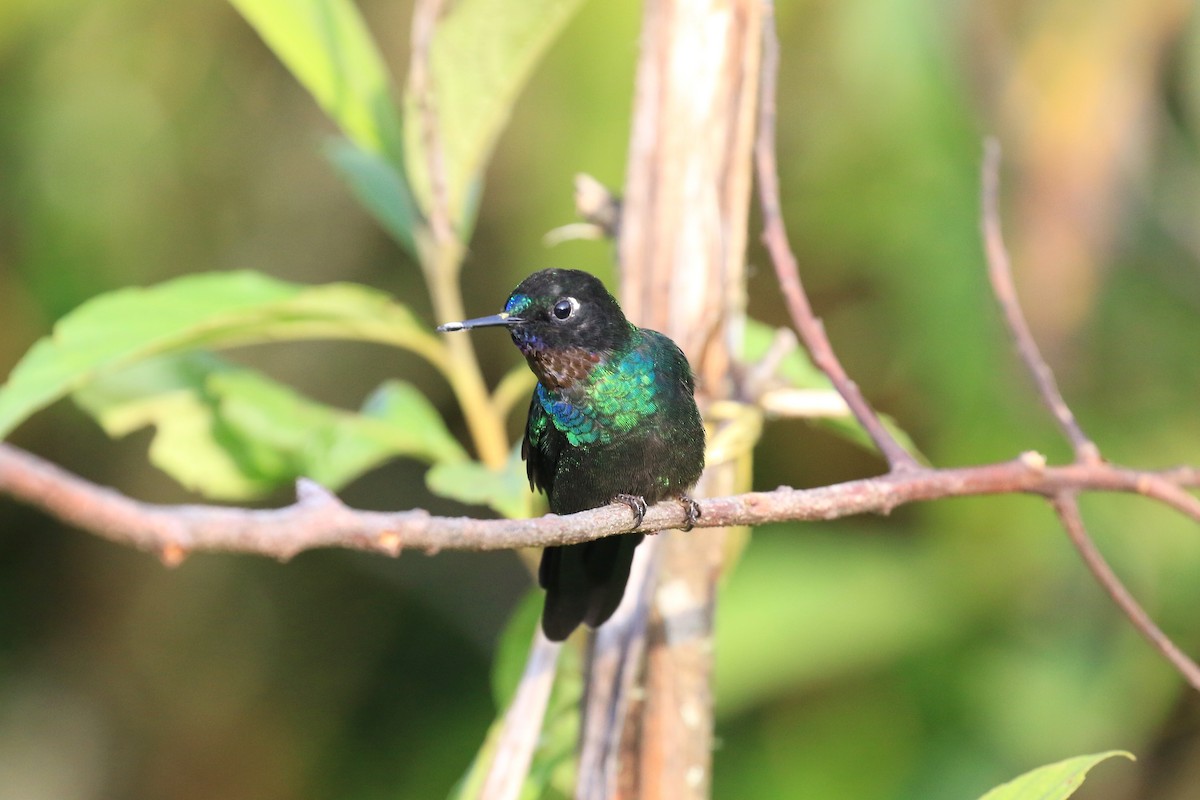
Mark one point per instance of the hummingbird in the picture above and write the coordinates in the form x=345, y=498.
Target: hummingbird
x=613, y=419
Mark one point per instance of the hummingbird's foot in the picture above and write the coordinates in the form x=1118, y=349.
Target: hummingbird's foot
x=691, y=511
x=636, y=503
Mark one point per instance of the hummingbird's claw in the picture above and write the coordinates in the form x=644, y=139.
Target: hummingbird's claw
x=637, y=504
x=691, y=511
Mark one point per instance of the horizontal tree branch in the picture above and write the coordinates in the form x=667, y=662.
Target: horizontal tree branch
x=319, y=519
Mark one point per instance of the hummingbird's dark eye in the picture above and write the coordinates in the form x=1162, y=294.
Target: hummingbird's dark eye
x=565, y=308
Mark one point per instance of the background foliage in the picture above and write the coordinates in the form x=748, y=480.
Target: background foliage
x=933, y=654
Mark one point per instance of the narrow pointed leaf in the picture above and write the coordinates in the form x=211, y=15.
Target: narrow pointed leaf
x=560, y=726
x=380, y=187
x=481, y=55
x=326, y=45
x=1053, y=781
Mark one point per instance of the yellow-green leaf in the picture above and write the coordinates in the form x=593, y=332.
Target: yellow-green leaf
x=116, y=330
x=232, y=433
x=481, y=54
x=326, y=45
x=505, y=490
x=1053, y=781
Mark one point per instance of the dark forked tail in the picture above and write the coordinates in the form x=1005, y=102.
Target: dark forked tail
x=584, y=583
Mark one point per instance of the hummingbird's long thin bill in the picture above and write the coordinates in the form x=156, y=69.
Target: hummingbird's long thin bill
x=503, y=318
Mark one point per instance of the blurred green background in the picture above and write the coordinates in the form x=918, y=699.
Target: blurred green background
x=928, y=655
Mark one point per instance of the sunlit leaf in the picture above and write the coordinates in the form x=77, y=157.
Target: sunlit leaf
x=506, y=490
x=326, y=45
x=1053, y=781
x=119, y=329
x=232, y=433
x=170, y=394
x=287, y=435
x=481, y=55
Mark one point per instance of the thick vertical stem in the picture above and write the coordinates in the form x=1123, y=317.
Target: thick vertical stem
x=682, y=252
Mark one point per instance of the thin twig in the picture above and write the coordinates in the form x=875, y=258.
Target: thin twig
x=1000, y=273
x=1067, y=506
x=319, y=519
x=811, y=330
x=1066, y=503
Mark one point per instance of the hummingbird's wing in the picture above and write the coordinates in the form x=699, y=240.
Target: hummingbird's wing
x=540, y=448
x=561, y=573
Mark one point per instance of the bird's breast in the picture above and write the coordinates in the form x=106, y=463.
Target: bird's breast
x=562, y=368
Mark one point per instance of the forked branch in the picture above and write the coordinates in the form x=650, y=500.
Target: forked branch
x=1065, y=501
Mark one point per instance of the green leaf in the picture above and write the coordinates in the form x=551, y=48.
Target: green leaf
x=794, y=369
x=861, y=607
x=287, y=435
x=480, y=57
x=513, y=647
x=380, y=187
x=121, y=328
x=170, y=394
x=326, y=45
x=506, y=490
x=232, y=433
x=1053, y=781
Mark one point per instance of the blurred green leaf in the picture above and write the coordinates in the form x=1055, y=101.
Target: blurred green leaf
x=232, y=433
x=860, y=606
x=1053, y=781
x=506, y=491
x=796, y=370
x=380, y=187
x=513, y=647
x=326, y=45
x=481, y=55
x=118, y=329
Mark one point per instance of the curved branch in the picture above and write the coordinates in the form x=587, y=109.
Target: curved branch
x=1067, y=507
x=319, y=519
x=1000, y=275
x=1066, y=503
x=774, y=236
